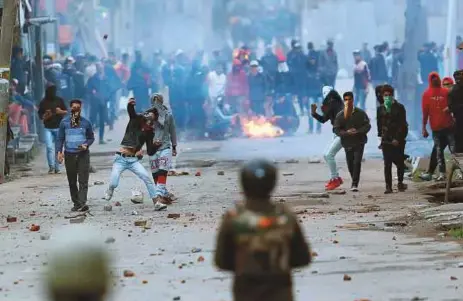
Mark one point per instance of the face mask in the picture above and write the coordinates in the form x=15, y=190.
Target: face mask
x=388, y=103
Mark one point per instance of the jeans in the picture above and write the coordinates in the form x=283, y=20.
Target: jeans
x=459, y=134
x=160, y=163
x=354, y=156
x=393, y=155
x=360, y=97
x=330, y=156
x=78, y=170
x=50, y=139
x=134, y=165
x=99, y=112
x=442, y=139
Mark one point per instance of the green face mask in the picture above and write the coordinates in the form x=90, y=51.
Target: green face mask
x=388, y=103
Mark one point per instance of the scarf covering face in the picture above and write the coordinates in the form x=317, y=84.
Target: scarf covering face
x=388, y=103
x=348, y=109
x=75, y=119
x=162, y=111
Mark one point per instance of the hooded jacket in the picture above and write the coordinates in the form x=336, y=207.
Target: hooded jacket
x=50, y=102
x=433, y=104
x=332, y=105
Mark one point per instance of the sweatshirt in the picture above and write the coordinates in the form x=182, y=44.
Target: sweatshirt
x=433, y=104
x=71, y=138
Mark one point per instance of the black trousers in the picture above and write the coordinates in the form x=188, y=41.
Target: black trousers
x=442, y=139
x=78, y=170
x=354, y=156
x=393, y=155
x=459, y=134
x=433, y=161
x=99, y=113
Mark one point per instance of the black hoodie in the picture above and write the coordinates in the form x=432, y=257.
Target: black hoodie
x=333, y=104
x=51, y=102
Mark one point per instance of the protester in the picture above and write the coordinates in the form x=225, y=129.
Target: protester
x=76, y=135
x=361, y=80
x=456, y=108
x=261, y=242
x=140, y=82
x=393, y=130
x=329, y=65
x=297, y=62
x=9, y=137
x=378, y=68
x=258, y=88
x=314, y=87
x=435, y=108
x=352, y=125
x=237, y=88
x=332, y=105
x=52, y=110
x=99, y=94
x=139, y=131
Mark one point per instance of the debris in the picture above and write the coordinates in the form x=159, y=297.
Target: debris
x=128, y=273
x=44, y=237
x=98, y=183
x=337, y=192
x=315, y=195
x=144, y=281
x=140, y=223
x=34, y=228
x=108, y=208
x=335, y=241
x=395, y=224
x=314, y=161
x=453, y=278
x=314, y=254
x=196, y=250
x=173, y=215
x=176, y=298
x=77, y=220
x=394, y=238
x=11, y=219
x=117, y=204
x=147, y=226
x=110, y=240
x=221, y=173
x=347, y=277
x=368, y=209
x=200, y=259
x=286, y=174
x=198, y=174
x=174, y=173
x=134, y=212
x=292, y=161
x=460, y=265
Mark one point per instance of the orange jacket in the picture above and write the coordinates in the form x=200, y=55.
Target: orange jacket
x=434, y=105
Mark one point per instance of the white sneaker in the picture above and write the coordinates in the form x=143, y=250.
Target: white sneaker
x=441, y=177
x=354, y=189
x=109, y=194
x=158, y=206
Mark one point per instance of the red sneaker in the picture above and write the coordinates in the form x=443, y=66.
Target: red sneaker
x=340, y=181
x=329, y=182
x=335, y=183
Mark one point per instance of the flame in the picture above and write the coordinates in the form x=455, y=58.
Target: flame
x=260, y=127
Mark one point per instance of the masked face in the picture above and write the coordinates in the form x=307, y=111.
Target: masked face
x=435, y=82
x=75, y=115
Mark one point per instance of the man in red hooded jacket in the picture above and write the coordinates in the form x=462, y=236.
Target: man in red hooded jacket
x=435, y=109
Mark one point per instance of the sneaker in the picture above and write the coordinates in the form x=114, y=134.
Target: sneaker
x=80, y=208
x=388, y=190
x=333, y=184
x=426, y=177
x=57, y=171
x=341, y=181
x=440, y=177
x=159, y=206
x=109, y=194
x=51, y=171
x=329, y=182
x=354, y=188
x=402, y=187
x=459, y=175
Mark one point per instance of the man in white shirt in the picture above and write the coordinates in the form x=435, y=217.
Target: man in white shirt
x=216, y=81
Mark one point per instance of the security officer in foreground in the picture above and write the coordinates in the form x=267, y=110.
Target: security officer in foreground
x=260, y=241
x=79, y=266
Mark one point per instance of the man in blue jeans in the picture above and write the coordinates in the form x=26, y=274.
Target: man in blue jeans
x=138, y=132
x=51, y=111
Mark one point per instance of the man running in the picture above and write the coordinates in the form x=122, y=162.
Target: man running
x=164, y=147
x=138, y=132
x=332, y=105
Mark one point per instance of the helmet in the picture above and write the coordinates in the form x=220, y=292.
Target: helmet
x=258, y=178
x=157, y=98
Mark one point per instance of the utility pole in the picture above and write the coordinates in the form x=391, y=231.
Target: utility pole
x=9, y=21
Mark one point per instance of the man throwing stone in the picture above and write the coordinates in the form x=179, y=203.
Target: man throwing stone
x=138, y=132
x=165, y=146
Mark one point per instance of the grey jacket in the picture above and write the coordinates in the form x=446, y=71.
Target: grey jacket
x=166, y=132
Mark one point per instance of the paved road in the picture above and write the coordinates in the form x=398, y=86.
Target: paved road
x=383, y=265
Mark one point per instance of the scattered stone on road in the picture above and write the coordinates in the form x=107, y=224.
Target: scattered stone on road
x=198, y=174
x=286, y=174
x=314, y=161
x=196, y=250
x=117, y=204
x=110, y=240
x=11, y=219
x=128, y=273
x=453, y=278
x=347, y=277
x=173, y=215
x=108, y=208
x=98, y=183
x=221, y=173
x=337, y=192
x=140, y=223
x=34, y=228
x=292, y=161
x=44, y=237
x=316, y=195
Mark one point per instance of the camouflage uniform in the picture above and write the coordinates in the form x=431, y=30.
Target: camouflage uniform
x=260, y=247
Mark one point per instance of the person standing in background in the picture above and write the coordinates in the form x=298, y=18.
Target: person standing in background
x=361, y=80
x=329, y=65
x=76, y=136
x=52, y=110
